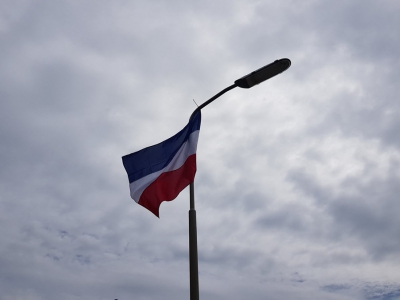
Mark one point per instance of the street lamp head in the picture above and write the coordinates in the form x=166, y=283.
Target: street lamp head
x=263, y=73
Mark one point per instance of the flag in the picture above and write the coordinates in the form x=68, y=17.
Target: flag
x=159, y=173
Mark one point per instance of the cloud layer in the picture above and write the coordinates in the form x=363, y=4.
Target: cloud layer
x=298, y=178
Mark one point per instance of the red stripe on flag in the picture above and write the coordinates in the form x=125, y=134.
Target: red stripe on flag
x=168, y=185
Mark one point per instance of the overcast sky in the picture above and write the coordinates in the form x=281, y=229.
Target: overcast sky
x=297, y=188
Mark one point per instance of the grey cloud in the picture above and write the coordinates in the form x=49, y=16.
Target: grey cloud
x=336, y=287
x=82, y=84
x=289, y=217
x=370, y=216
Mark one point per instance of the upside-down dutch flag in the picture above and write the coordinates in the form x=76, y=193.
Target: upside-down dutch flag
x=159, y=173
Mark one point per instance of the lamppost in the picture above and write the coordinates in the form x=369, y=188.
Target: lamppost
x=246, y=82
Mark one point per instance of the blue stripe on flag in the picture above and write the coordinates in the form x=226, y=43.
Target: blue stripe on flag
x=156, y=157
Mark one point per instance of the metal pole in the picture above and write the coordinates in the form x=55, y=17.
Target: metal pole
x=247, y=81
x=193, y=259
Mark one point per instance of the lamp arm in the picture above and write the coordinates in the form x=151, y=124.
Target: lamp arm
x=212, y=99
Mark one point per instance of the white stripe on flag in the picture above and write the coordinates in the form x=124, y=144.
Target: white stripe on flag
x=188, y=148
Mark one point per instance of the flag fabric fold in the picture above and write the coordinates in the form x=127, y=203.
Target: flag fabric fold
x=159, y=173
